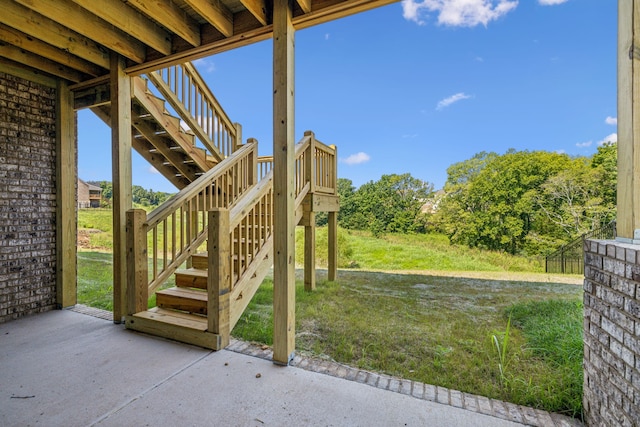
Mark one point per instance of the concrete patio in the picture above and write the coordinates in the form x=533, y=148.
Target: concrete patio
x=67, y=368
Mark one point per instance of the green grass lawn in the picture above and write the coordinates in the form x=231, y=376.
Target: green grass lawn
x=438, y=330
x=418, y=308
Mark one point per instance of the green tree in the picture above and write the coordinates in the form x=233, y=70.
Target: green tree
x=495, y=207
x=391, y=204
x=606, y=160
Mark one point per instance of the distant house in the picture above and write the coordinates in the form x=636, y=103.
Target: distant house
x=432, y=203
x=89, y=196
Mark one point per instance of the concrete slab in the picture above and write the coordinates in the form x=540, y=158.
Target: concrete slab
x=65, y=368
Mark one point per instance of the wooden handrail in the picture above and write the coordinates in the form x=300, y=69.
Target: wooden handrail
x=185, y=89
x=176, y=229
x=207, y=179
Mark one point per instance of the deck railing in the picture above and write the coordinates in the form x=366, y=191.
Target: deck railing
x=187, y=92
x=160, y=242
x=232, y=207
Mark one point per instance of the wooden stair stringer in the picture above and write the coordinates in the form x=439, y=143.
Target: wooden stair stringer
x=195, y=127
x=248, y=285
x=170, y=124
x=144, y=147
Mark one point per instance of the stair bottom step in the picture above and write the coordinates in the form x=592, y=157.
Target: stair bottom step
x=177, y=326
x=184, y=299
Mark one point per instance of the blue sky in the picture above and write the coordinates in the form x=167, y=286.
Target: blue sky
x=416, y=86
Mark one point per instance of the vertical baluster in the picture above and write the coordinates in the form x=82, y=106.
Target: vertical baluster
x=155, y=251
x=165, y=251
x=173, y=236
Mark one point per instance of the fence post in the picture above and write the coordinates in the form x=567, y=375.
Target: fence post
x=137, y=262
x=219, y=275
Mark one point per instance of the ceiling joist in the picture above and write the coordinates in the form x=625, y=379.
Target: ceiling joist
x=89, y=25
x=216, y=14
x=131, y=21
x=23, y=41
x=44, y=29
x=39, y=63
x=258, y=9
x=170, y=16
x=75, y=39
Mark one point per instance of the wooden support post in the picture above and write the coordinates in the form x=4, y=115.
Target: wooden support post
x=66, y=180
x=121, y=165
x=628, y=215
x=237, y=143
x=137, y=262
x=219, y=277
x=310, y=167
x=253, y=167
x=283, y=183
x=310, y=252
x=332, y=240
x=310, y=217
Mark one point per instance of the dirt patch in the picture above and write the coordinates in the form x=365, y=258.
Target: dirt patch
x=84, y=239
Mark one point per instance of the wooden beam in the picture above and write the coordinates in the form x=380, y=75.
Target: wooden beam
x=258, y=9
x=219, y=278
x=332, y=241
x=122, y=191
x=628, y=195
x=45, y=50
x=216, y=13
x=330, y=10
x=44, y=29
x=172, y=17
x=39, y=63
x=284, y=284
x=138, y=276
x=28, y=73
x=323, y=11
x=131, y=21
x=305, y=5
x=89, y=25
x=310, y=252
x=66, y=181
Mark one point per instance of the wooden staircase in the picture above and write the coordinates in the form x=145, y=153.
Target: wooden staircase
x=225, y=204
x=160, y=139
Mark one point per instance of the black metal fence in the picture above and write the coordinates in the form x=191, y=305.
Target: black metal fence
x=569, y=259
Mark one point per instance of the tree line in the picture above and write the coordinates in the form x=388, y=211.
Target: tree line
x=140, y=195
x=520, y=202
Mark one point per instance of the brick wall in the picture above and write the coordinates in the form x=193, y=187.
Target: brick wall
x=27, y=198
x=612, y=334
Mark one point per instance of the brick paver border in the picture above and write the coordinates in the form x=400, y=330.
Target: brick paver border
x=470, y=402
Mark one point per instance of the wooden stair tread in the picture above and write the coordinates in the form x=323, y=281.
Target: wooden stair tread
x=175, y=318
x=191, y=278
x=184, y=299
x=188, y=328
x=190, y=293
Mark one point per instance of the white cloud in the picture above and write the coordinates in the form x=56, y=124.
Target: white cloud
x=584, y=144
x=609, y=138
x=205, y=64
x=326, y=36
x=611, y=120
x=153, y=170
x=458, y=13
x=551, y=2
x=356, y=159
x=451, y=100
x=560, y=152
